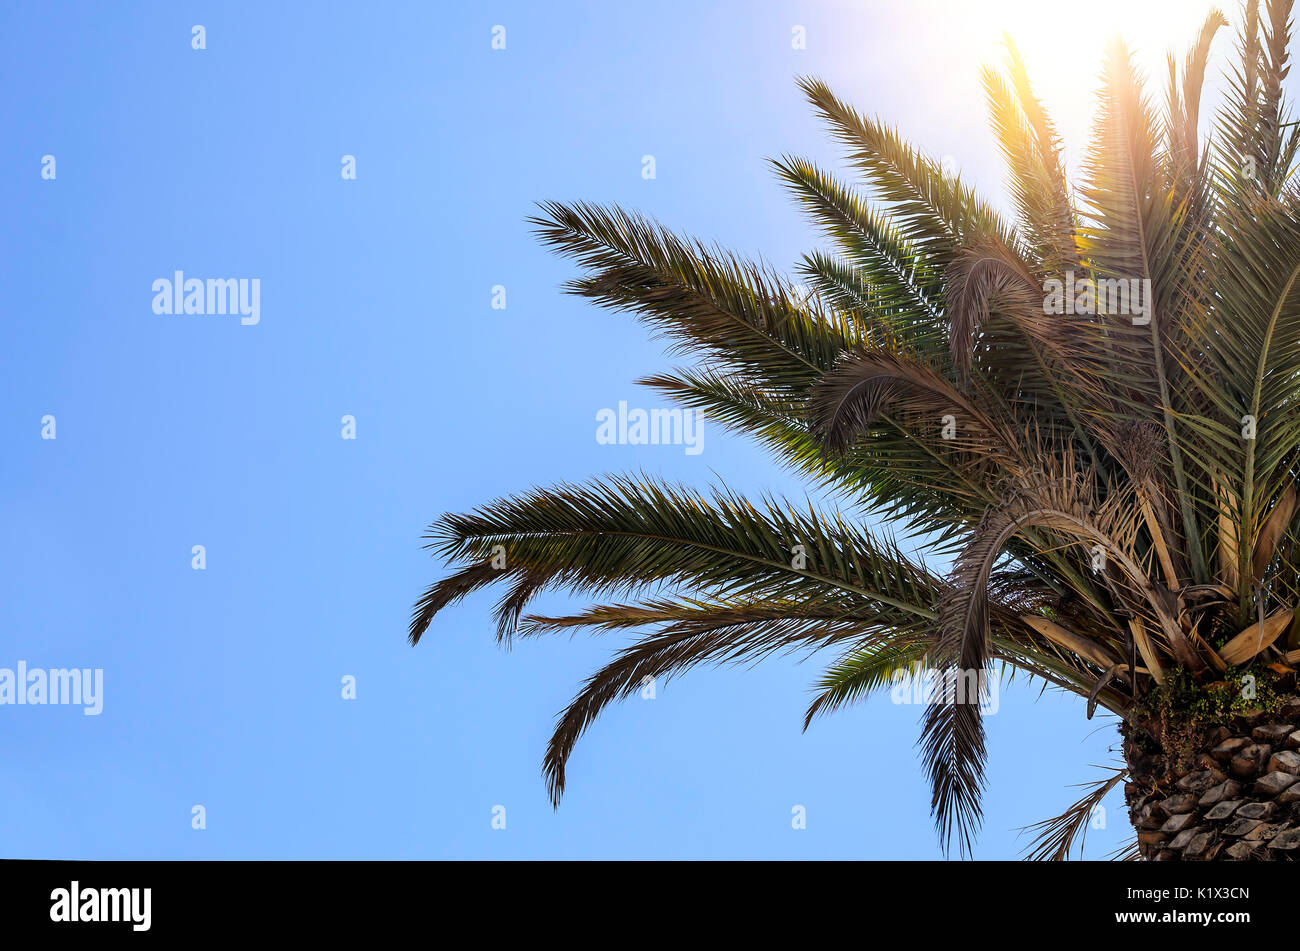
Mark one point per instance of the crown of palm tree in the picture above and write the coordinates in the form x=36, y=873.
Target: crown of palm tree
x=1115, y=487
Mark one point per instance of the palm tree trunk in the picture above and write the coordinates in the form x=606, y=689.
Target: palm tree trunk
x=1215, y=792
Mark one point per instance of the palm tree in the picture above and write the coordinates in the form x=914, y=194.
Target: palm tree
x=1091, y=414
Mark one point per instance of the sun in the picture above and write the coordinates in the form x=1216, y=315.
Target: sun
x=1063, y=44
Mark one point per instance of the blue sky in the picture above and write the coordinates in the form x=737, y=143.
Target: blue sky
x=223, y=686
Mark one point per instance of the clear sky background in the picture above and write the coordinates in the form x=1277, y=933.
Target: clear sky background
x=223, y=686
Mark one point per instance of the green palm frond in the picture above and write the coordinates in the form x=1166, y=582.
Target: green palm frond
x=1257, y=143
x=933, y=210
x=677, y=648
x=904, y=289
x=623, y=534
x=1033, y=154
x=863, y=670
x=707, y=301
x=1132, y=234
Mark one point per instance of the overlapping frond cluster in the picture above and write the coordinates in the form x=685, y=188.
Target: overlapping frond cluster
x=1093, y=409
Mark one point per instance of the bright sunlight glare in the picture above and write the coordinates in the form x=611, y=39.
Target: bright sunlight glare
x=1063, y=43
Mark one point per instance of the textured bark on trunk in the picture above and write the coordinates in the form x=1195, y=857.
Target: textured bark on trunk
x=1225, y=791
